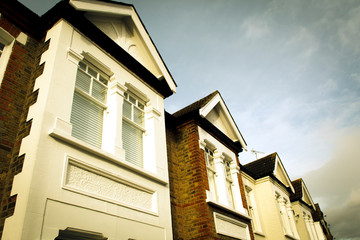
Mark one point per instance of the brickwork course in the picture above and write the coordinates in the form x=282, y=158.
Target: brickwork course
x=16, y=96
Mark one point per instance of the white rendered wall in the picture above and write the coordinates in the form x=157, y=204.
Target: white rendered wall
x=306, y=227
x=47, y=200
x=258, y=229
x=269, y=209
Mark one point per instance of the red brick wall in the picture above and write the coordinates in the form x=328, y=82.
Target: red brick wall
x=191, y=215
x=16, y=96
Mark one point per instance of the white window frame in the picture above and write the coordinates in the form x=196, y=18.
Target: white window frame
x=229, y=181
x=211, y=171
x=8, y=41
x=88, y=95
x=223, y=178
x=287, y=216
x=253, y=212
x=140, y=105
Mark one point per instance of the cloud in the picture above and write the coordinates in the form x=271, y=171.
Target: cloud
x=349, y=33
x=336, y=185
x=328, y=87
x=256, y=27
x=304, y=42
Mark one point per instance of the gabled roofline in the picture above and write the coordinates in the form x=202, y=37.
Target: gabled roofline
x=82, y=5
x=200, y=108
x=300, y=196
x=211, y=104
x=37, y=28
x=267, y=165
x=278, y=160
x=174, y=121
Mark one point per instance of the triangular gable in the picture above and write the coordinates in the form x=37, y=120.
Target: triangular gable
x=306, y=195
x=121, y=23
x=216, y=112
x=281, y=174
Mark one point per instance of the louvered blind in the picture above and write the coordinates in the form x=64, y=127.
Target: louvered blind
x=132, y=143
x=87, y=120
x=132, y=135
x=86, y=113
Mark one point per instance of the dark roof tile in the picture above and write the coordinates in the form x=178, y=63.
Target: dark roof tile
x=297, y=184
x=262, y=167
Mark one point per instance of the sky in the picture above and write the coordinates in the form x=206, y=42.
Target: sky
x=289, y=72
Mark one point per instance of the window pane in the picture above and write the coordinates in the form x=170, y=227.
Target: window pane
x=87, y=120
x=127, y=109
x=99, y=91
x=1, y=48
x=132, y=100
x=138, y=116
x=103, y=80
x=230, y=195
x=92, y=72
x=82, y=66
x=133, y=144
x=83, y=81
x=141, y=106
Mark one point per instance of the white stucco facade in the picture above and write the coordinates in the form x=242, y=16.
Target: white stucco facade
x=66, y=182
x=269, y=198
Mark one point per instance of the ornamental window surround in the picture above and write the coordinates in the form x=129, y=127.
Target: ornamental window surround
x=110, y=118
x=309, y=223
x=253, y=212
x=221, y=172
x=211, y=171
x=229, y=181
x=287, y=215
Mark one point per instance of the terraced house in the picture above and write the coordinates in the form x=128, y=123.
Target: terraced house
x=207, y=195
x=307, y=215
x=87, y=150
x=83, y=147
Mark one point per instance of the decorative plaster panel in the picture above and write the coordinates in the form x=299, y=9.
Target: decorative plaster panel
x=109, y=187
x=231, y=227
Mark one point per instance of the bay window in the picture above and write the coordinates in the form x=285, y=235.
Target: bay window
x=221, y=172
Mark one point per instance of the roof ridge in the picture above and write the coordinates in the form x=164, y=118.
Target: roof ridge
x=196, y=105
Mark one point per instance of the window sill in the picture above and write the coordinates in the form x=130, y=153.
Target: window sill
x=259, y=233
x=65, y=137
x=226, y=208
x=291, y=237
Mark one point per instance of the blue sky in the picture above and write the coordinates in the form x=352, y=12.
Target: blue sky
x=289, y=74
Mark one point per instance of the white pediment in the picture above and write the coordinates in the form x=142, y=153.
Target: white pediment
x=121, y=23
x=281, y=175
x=216, y=112
x=306, y=195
